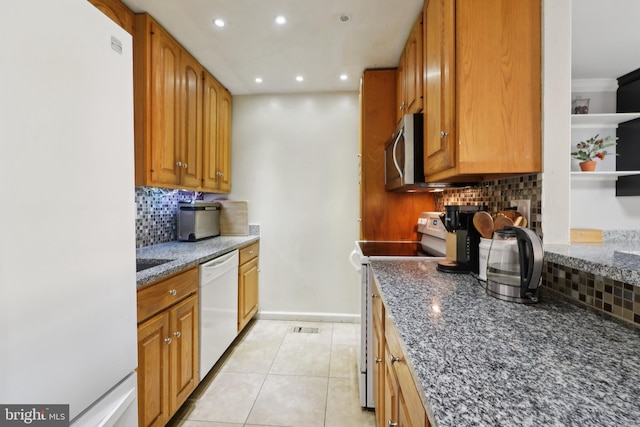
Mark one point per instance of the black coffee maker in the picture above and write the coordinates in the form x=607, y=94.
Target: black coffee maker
x=462, y=239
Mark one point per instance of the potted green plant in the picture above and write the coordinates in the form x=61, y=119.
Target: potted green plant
x=594, y=147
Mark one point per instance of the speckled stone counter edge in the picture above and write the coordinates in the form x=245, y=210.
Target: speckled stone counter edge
x=188, y=254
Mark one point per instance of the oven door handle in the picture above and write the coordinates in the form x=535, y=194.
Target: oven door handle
x=354, y=259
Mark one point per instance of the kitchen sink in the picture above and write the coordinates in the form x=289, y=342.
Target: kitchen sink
x=143, y=264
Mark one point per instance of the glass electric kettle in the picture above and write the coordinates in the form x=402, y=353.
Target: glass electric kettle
x=514, y=265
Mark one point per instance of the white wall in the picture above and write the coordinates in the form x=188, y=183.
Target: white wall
x=295, y=159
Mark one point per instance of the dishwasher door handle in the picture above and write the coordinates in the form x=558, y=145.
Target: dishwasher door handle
x=220, y=261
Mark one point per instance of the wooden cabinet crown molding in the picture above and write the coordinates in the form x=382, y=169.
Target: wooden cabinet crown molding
x=117, y=11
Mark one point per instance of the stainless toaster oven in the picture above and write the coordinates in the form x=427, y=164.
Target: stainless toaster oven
x=198, y=220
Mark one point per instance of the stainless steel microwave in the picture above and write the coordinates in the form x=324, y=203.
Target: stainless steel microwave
x=404, y=159
x=403, y=154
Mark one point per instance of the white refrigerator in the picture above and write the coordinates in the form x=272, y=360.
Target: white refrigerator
x=67, y=212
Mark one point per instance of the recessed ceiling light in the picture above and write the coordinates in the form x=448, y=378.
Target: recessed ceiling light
x=218, y=22
x=258, y=79
x=280, y=20
x=343, y=77
x=345, y=17
x=299, y=78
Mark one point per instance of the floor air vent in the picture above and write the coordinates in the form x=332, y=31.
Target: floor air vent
x=305, y=330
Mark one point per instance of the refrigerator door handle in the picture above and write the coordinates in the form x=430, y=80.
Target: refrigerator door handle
x=353, y=259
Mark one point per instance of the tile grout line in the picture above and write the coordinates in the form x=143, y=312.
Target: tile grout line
x=265, y=377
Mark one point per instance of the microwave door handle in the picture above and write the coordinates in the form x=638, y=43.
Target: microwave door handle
x=395, y=158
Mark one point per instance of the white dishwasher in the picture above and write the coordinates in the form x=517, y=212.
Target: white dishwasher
x=218, y=308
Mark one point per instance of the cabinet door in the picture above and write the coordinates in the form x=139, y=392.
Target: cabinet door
x=498, y=86
x=190, y=159
x=439, y=132
x=165, y=115
x=390, y=391
x=413, y=85
x=210, y=125
x=247, y=292
x=216, y=137
x=411, y=412
x=224, y=141
x=153, y=371
x=184, y=351
x=378, y=359
x=401, y=95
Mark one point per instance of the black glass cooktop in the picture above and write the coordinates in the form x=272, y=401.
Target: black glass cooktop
x=395, y=249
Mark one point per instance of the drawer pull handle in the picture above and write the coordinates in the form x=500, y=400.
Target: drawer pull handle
x=177, y=334
x=173, y=292
x=250, y=252
x=167, y=340
x=390, y=424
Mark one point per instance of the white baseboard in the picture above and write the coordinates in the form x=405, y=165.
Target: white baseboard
x=309, y=317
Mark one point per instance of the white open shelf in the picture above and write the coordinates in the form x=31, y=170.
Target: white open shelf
x=601, y=120
x=601, y=175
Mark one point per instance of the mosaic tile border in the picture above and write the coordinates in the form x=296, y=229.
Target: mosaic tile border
x=497, y=194
x=605, y=295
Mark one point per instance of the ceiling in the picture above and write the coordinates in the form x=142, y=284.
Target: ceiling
x=605, y=38
x=314, y=43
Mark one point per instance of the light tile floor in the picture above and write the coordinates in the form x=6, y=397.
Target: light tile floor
x=274, y=377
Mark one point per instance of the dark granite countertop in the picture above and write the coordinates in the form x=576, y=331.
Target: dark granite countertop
x=186, y=254
x=619, y=260
x=480, y=361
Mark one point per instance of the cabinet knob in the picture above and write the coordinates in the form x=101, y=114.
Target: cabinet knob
x=219, y=173
x=250, y=252
x=393, y=359
x=167, y=340
x=390, y=424
x=443, y=134
x=179, y=164
x=173, y=292
x=177, y=334
x=184, y=166
x=378, y=360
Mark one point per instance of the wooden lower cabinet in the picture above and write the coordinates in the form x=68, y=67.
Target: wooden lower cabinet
x=168, y=347
x=397, y=399
x=247, y=284
x=379, y=383
x=153, y=371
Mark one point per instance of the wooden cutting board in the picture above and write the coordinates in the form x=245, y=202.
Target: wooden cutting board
x=234, y=218
x=586, y=235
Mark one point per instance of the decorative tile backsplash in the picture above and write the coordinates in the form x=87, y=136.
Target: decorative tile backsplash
x=156, y=214
x=618, y=299
x=497, y=194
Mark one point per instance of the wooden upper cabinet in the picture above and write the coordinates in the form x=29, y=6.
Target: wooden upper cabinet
x=165, y=114
x=216, y=136
x=224, y=141
x=182, y=116
x=190, y=143
x=440, y=64
x=410, y=73
x=483, y=89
